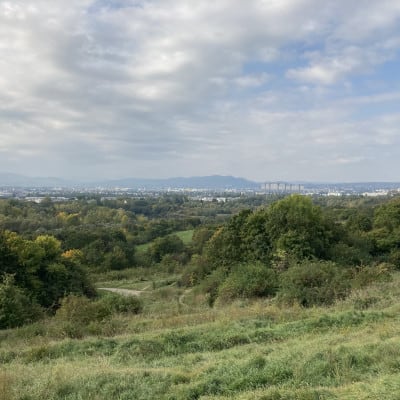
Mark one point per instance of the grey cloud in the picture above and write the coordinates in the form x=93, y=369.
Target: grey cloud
x=106, y=86
x=339, y=63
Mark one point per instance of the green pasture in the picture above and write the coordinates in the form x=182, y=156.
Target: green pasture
x=185, y=236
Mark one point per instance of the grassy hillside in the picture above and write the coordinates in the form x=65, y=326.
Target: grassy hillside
x=178, y=348
x=185, y=236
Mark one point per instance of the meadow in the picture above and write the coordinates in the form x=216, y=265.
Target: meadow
x=185, y=236
x=179, y=348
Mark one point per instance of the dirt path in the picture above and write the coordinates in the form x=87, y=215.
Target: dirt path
x=123, y=292
x=182, y=296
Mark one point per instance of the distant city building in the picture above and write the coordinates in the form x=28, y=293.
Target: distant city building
x=282, y=187
x=377, y=193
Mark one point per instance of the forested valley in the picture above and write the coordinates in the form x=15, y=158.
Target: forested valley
x=150, y=285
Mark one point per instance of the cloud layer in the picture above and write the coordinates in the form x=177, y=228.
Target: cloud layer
x=267, y=89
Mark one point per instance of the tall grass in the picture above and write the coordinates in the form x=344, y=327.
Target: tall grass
x=245, y=350
x=6, y=382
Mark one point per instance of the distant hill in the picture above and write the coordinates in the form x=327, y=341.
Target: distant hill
x=15, y=180
x=214, y=182
x=197, y=182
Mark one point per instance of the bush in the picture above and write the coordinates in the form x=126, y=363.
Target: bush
x=342, y=253
x=16, y=308
x=367, y=275
x=394, y=258
x=79, y=316
x=172, y=262
x=122, y=304
x=195, y=272
x=170, y=244
x=201, y=235
x=81, y=311
x=314, y=283
x=211, y=284
x=249, y=280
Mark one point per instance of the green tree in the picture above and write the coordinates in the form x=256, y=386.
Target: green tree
x=170, y=244
x=387, y=216
x=256, y=240
x=116, y=259
x=8, y=258
x=292, y=226
x=201, y=236
x=39, y=268
x=29, y=258
x=386, y=229
x=226, y=246
x=50, y=245
x=16, y=308
x=298, y=227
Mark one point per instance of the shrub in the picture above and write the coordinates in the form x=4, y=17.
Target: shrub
x=314, y=283
x=81, y=311
x=122, y=304
x=79, y=316
x=195, y=272
x=172, y=262
x=394, y=258
x=249, y=280
x=342, y=253
x=16, y=308
x=211, y=284
x=170, y=244
x=367, y=275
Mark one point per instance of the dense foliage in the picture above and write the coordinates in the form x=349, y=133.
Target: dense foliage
x=317, y=257
x=37, y=273
x=247, y=247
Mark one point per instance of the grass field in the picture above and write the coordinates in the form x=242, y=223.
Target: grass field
x=185, y=236
x=178, y=348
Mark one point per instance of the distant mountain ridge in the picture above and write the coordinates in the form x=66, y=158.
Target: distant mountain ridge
x=16, y=180
x=212, y=182
x=197, y=182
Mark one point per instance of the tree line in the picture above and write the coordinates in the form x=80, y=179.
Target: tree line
x=299, y=251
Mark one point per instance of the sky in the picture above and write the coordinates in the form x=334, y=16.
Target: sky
x=263, y=89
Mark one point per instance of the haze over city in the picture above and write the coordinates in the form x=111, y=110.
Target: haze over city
x=267, y=90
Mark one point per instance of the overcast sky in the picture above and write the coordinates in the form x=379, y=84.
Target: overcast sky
x=262, y=89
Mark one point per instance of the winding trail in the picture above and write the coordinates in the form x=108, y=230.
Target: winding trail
x=131, y=292
x=182, y=296
x=123, y=292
